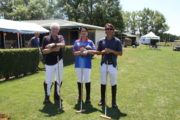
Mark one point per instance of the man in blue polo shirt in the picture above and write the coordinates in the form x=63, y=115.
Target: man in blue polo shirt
x=34, y=41
x=83, y=48
x=109, y=47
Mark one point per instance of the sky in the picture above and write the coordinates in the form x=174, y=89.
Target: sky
x=169, y=8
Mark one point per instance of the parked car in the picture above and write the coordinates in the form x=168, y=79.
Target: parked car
x=176, y=45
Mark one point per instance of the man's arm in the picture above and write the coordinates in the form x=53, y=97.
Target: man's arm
x=50, y=50
x=117, y=51
x=61, y=42
x=107, y=51
x=61, y=45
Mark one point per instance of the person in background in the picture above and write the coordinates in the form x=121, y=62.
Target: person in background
x=34, y=41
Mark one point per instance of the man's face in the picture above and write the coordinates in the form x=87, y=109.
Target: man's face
x=54, y=31
x=36, y=35
x=109, y=31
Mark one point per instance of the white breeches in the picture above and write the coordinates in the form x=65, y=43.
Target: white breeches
x=51, y=71
x=111, y=71
x=83, y=75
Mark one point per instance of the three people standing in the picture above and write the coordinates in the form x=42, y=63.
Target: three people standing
x=109, y=47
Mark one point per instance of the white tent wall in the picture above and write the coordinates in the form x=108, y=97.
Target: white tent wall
x=99, y=34
x=146, y=39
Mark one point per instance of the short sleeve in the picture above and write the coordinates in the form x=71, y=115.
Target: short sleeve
x=119, y=46
x=75, y=47
x=61, y=39
x=44, y=42
x=93, y=46
x=99, y=46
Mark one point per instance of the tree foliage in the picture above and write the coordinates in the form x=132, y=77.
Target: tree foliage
x=145, y=21
x=96, y=12
x=29, y=9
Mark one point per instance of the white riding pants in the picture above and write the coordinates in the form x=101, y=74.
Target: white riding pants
x=51, y=71
x=84, y=74
x=111, y=72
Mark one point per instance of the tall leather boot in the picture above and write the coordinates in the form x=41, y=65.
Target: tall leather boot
x=79, y=92
x=114, y=90
x=56, y=96
x=46, y=99
x=103, y=90
x=88, y=91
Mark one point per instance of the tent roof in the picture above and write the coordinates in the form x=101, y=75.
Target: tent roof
x=64, y=24
x=129, y=35
x=20, y=27
x=151, y=35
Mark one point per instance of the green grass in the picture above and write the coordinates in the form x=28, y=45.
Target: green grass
x=148, y=89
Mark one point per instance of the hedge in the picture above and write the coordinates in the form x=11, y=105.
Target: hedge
x=14, y=62
x=68, y=57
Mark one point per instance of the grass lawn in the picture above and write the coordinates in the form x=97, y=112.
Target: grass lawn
x=148, y=89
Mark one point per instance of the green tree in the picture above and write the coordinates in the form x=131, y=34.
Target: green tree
x=71, y=8
x=96, y=12
x=28, y=9
x=145, y=21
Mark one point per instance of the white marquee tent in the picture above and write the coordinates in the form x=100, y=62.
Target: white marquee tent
x=146, y=39
x=20, y=27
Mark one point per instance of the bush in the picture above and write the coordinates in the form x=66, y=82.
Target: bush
x=68, y=56
x=14, y=62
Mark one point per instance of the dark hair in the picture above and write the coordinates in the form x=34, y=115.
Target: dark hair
x=83, y=28
x=109, y=25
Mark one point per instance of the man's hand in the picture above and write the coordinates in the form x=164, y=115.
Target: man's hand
x=106, y=51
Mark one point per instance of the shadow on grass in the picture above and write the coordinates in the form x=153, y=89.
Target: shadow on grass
x=87, y=107
x=51, y=110
x=114, y=113
x=16, y=78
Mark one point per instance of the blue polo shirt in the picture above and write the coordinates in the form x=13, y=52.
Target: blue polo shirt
x=114, y=44
x=83, y=61
x=34, y=42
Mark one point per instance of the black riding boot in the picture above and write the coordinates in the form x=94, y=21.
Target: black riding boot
x=56, y=96
x=46, y=99
x=114, y=89
x=88, y=91
x=103, y=90
x=79, y=92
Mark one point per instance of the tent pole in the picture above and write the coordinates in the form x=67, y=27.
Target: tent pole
x=21, y=41
x=4, y=41
x=18, y=40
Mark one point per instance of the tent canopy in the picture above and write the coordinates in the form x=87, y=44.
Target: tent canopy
x=20, y=27
x=64, y=24
x=150, y=35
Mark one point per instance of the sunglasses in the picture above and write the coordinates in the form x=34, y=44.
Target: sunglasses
x=109, y=29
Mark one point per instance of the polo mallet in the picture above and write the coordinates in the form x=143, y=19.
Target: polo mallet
x=105, y=106
x=60, y=103
x=81, y=102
